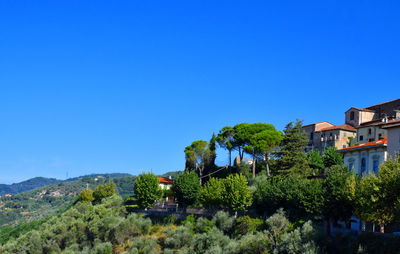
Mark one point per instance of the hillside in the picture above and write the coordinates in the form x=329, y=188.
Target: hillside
x=51, y=199
x=26, y=185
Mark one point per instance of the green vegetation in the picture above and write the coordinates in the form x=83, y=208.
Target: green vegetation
x=278, y=202
x=27, y=185
x=53, y=199
x=147, y=190
x=186, y=188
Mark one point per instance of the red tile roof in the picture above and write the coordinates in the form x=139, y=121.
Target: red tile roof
x=382, y=103
x=165, y=180
x=381, y=142
x=362, y=109
x=316, y=123
x=344, y=127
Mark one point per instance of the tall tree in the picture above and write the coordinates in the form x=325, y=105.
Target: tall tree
x=260, y=139
x=240, y=137
x=198, y=155
x=315, y=162
x=225, y=139
x=331, y=157
x=212, y=193
x=147, y=190
x=186, y=188
x=339, y=187
x=237, y=195
x=292, y=156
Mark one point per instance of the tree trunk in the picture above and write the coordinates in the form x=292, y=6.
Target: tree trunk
x=254, y=166
x=363, y=226
x=382, y=229
x=267, y=165
x=230, y=158
x=200, y=174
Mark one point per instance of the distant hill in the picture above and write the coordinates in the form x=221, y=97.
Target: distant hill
x=37, y=182
x=52, y=199
x=26, y=185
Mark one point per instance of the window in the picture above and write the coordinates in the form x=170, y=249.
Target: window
x=375, y=165
x=351, y=166
x=369, y=131
x=363, y=166
x=361, y=138
x=311, y=135
x=352, y=115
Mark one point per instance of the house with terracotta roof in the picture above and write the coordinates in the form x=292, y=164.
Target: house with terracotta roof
x=356, y=116
x=165, y=183
x=366, y=158
x=324, y=134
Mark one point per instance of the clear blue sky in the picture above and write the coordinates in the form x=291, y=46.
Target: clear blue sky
x=124, y=86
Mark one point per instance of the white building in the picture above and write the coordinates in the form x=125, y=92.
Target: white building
x=366, y=158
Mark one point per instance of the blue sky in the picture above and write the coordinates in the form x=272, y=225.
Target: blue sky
x=124, y=86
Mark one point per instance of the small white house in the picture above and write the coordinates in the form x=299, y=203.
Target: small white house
x=366, y=158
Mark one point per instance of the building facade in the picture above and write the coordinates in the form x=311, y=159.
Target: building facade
x=324, y=134
x=393, y=134
x=366, y=158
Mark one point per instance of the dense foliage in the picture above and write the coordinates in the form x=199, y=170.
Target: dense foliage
x=147, y=190
x=186, y=188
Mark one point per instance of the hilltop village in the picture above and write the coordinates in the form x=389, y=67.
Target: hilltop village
x=369, y=136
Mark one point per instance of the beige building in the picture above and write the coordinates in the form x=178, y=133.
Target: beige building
x=356, y=116
x=366, y=158
x=324, y=134
x=393, y=134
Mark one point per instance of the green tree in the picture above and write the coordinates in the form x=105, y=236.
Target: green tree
x=237, y=195
x=315, y=162
x=339, y=192
x=86, y=195
x=259, y=140
x=186, y=188
x=292, y=156
x=366, y=199
x=211, y=194
x=331, y=157
x=384, y=194
x=198, y=155
x=225, y=139
x=240, y=137
x=104, y=191
x=147, y=190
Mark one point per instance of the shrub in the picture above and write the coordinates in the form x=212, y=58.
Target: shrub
x=86, y=195
x=104, y=191
x=245, y=225
x=223, y=221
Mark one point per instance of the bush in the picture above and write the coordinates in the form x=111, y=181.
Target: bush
x=143, y=245
x=86, y=195
x=104, y=191
x=245, y=225
x=223, y=221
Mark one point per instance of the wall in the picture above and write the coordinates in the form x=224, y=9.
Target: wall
x=359, y=117
x=393, y=141
x=370, y=155
x=375, y=131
